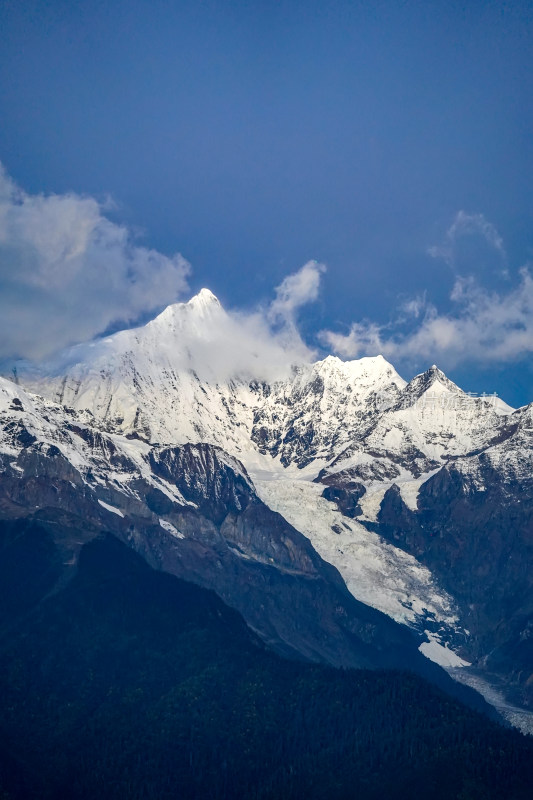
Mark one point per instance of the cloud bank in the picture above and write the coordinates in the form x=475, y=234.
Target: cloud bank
x=201, y=336
x=221, y=345
x=261, y=344
x=67, y=272
x=482, y=325
x=265, y=344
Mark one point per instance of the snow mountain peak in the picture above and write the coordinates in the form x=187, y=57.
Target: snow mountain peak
x=203, y=307
x=204, y=299
x=433, y=380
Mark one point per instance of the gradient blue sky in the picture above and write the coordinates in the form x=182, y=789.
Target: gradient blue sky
x=252, y=137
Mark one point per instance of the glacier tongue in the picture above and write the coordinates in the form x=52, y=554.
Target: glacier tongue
x=377, y=573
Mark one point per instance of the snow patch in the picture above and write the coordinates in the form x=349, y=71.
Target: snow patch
x=441, y=654
x=112, y=509
x=170, y=528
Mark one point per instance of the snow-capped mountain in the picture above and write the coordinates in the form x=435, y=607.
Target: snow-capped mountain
x=191, y=510
x=364, y=466
x=318, y=413
x=147, y=381
x=163, y=382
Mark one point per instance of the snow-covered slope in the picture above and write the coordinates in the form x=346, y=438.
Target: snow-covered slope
x=110, y=464
x=165, y=382
x=376, y=572
x=430, y=421
x=323, y=408
x=147, y=380
x=119, y=472
x=193, y=511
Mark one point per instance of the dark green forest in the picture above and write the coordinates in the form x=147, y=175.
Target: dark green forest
x=129, y=683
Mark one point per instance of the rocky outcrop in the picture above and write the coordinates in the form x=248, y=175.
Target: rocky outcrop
x=473, y=528
x=342, y=490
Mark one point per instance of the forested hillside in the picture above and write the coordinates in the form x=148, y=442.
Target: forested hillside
x=131, y=683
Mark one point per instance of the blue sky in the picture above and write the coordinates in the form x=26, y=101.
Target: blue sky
x=390, y=141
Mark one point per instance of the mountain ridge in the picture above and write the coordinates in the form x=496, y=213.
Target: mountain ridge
x=329, y=437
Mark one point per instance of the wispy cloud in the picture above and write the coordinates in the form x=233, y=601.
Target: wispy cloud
x=464, y=226
x=482, y=325
x=264, y=343
x=414, y=307
x=295, y=291
x=67, y=272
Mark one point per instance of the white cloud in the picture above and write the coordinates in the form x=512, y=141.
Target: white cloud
x=415, y=306
x=363, y=338
x=236, y=344
x=263, y=344
x=67, y=272
x=483, y=327
x=295, y=291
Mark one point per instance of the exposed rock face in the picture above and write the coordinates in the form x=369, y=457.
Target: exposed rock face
x=345, y=499
x=215, y=482
x=343, y=491
x=474, y=529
